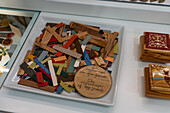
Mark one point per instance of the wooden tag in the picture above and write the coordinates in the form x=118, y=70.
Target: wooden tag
x=92, y=81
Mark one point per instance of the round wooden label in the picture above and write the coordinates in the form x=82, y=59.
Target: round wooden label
x=92, y=81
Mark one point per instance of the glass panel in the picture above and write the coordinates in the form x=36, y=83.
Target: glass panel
x=14, y=26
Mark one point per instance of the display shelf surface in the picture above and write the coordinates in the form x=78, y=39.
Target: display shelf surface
x=130, y=94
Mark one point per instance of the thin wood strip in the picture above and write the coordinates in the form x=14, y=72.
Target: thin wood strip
x=45, y=47
x=53, y=76
x=67, y=51
x=101, y=43
x=60, y=58
x=35, y=85
x=81, y=27
x=68, y=43
x=110, y=44
x=26, y=60
x=59, y=38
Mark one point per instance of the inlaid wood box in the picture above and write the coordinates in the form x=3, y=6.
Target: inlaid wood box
x=155, y=47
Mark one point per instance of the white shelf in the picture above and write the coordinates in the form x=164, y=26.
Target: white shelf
x=130, y=94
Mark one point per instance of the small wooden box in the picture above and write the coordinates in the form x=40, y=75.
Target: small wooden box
x=157, y=81
x=155, y=47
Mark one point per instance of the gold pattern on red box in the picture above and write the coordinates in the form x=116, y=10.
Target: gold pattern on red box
x=157, y=41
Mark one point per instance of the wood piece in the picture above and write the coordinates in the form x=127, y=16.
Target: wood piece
x=26, y=60
x=69, y=78
x=78, y=47
x=109, y=59
x=39, y=77
x=81, y=34
x=67, y=51
x=59, y=38
x=28, y=70
x=41, y=65
x=42, y=55
x=86, y=40
x=96, y=41
x=70, y=83
x=86, y=58
x=61, y=30
x=35, y=85
x=110, y=43
x=65, y=86
x=92, y=82
x=99, y=61
x=68, y=43
x=45, y=47
x=81, y=27
x=83, y=63
x=70, y=69
x=31, y=57
x=92, y=54
x=77, y=62
x=53, y=76
x=44, y=61
x=60, y=58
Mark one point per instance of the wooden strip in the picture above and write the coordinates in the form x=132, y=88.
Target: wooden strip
x=81, y=27
x=78, y=47
x=45, y=47
x=48, y=75
x=71, y=66
x=59, y=38
x=82, y=34
x=42, y=55
x=65, y=86
x=31, y=57
x=94, y=47
x=41, y=65
x=28, y=70
x=35, y=85
x=26, y=60
x=67, y=51
x=39, y=77
x=83, y=62
x=44, y=61
x=53, y=76
x=59, y=70
x=61, y=58
x=86, y=58
x=69, y=42
x=59, y=90
x=77, y=62
x=86, y=40
x=98, y=42
x=67, y=79
x=61, y=30
x=61, y=64
x=109, y=59
x=110, y=44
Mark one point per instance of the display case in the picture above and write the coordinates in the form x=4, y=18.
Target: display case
x=130, y=97
x=15, y=26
